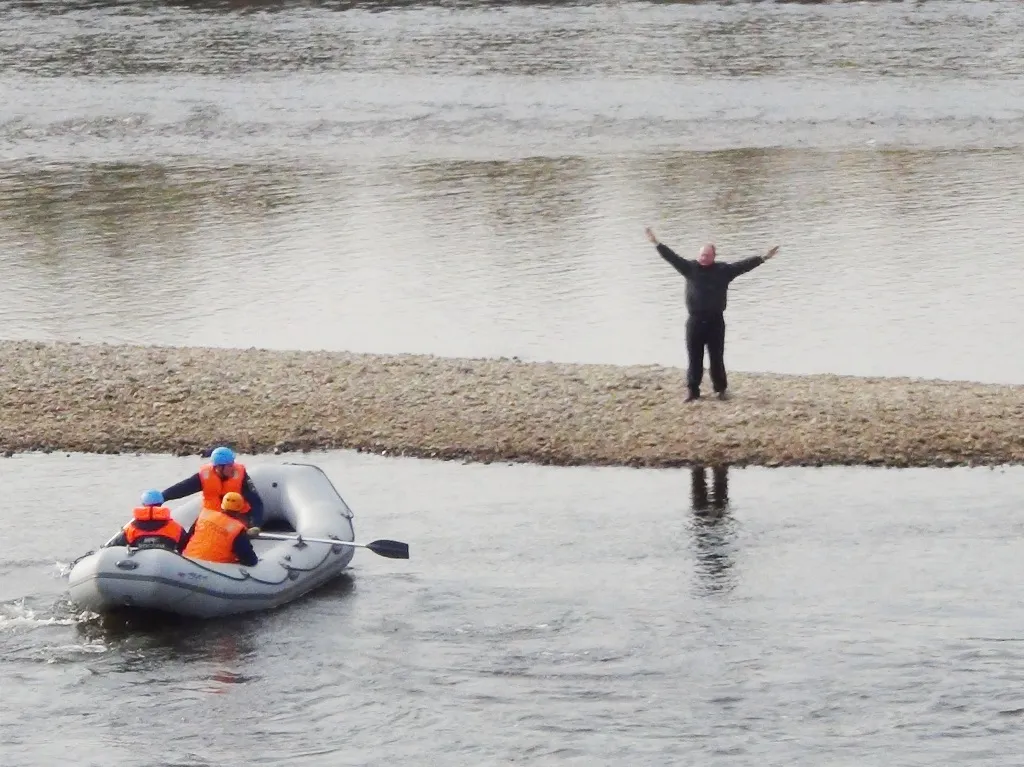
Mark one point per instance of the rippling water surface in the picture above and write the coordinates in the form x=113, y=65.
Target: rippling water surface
x=549, y=616
x=474, y=179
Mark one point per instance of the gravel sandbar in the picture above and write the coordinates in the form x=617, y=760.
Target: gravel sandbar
x=119, y=398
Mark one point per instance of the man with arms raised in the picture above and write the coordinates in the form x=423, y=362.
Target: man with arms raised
x=707, y=283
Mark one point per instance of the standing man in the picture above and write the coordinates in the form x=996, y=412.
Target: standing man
x=707, y=283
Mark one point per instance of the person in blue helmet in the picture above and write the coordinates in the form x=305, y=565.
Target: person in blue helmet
x=222, y=475
x=151, y=527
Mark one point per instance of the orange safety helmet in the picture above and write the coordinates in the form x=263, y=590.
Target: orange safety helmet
x=233, y=502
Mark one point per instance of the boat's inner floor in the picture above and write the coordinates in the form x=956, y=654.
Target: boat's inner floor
x=277, y=525
x=272, y=523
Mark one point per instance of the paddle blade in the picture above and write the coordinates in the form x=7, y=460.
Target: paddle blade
x=389, y=549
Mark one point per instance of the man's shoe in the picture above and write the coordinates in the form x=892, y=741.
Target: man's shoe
x=724, y=395
x=691, y=397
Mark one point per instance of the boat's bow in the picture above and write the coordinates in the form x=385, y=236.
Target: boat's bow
x=116, y=577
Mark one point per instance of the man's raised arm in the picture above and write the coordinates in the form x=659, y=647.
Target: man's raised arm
x=681, y=265
x=742, y=267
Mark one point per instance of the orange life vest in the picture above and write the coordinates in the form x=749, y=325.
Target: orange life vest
x=215, y=488
x=214, y=537
x=167, y=535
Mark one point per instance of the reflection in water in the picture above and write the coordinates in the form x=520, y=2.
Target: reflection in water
x=539, y=258
x=215, y=655
x=153, y=649
x=713, y=528
x=415, y=182
x=174, y=636
x=147, y=640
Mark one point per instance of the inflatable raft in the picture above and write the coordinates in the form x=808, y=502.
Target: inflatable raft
x=297, y=499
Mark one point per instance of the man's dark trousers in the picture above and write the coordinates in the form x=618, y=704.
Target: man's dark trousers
x=706, y=330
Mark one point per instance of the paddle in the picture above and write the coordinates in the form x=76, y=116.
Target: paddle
x=385, y=548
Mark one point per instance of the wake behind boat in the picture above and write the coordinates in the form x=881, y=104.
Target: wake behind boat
x=298, y=499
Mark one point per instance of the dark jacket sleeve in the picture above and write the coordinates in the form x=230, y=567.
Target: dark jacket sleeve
x=244, y=551
x=253, y=497
x=186, y=487
x=682, y=266
x=744, y=266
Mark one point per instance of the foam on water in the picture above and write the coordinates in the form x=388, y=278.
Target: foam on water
x=17, y=614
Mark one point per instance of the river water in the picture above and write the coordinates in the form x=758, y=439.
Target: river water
x=474, y=179
x=547, y=616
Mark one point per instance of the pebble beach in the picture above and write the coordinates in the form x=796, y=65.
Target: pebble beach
x=122, y=399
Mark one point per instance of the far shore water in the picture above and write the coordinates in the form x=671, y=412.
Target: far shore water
x=126, y=399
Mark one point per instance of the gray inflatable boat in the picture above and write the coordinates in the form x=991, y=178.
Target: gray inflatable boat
x=297, y=498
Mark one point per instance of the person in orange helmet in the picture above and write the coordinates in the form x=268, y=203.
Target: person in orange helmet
x=222, y=535
x=151, y=526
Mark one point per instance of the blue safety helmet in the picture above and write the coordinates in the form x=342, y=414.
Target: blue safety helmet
x=152, y=498
x=222, y=456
